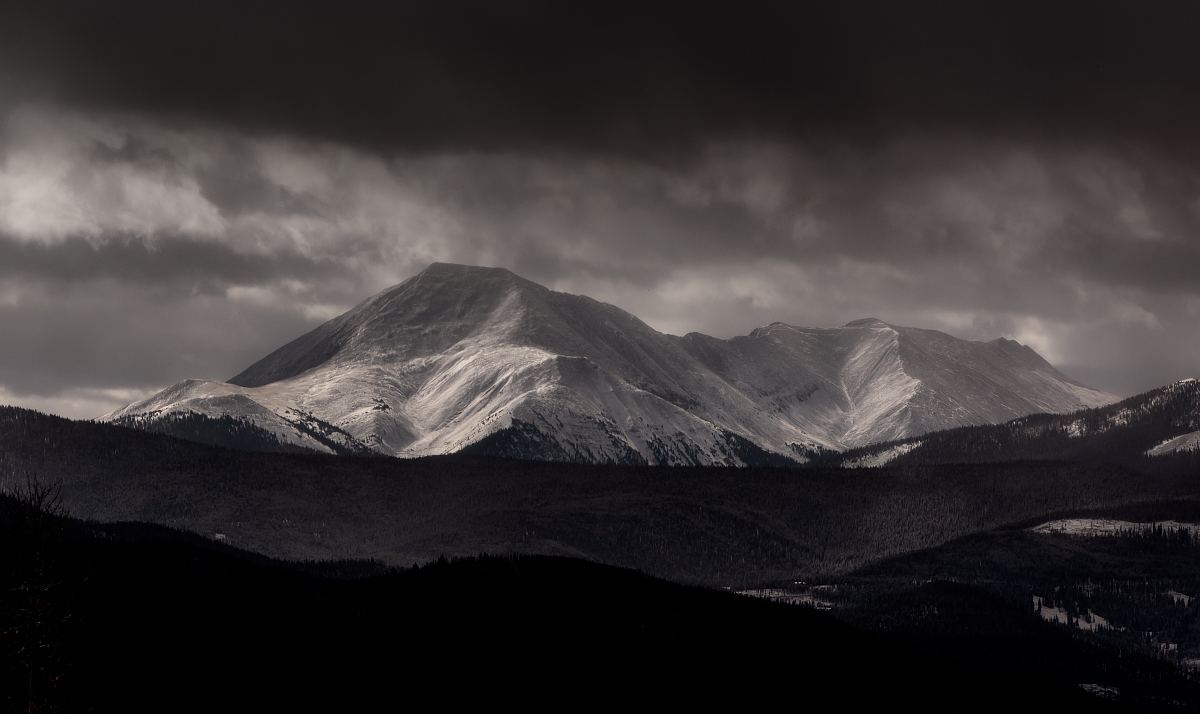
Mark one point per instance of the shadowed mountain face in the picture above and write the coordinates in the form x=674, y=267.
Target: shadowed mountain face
x=462, y=358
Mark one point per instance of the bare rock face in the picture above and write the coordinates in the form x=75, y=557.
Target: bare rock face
x=478, y=359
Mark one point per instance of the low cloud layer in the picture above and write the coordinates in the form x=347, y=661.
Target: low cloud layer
x=135, y=252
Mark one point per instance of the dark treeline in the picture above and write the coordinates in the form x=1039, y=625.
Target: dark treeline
x=995, y=625
x=219, y=431
x=702, y=525
x=1134, y=591
x=242, y=434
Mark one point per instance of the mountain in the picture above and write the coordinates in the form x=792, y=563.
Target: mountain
x=1159, y=424
x=469, y=359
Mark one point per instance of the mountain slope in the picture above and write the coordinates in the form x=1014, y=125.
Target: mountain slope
x=869, y=381
x=1161, y=423
x=460, y=357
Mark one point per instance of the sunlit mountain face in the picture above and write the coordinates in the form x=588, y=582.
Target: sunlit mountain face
x=465, y=358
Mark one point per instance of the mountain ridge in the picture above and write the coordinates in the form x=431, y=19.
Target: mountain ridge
x=1157, y=424
x=458, y=355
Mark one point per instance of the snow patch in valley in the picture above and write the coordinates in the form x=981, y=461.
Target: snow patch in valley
x=805, y=597
x=1180, y=598
x=1088, y=621
x=1103, y=527
x=1186, y=442
x=881, y=458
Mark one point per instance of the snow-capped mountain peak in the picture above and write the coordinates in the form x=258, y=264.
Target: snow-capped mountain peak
x=868, y=322
x=469, y=358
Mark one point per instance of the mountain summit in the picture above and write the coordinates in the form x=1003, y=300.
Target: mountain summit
x=462, y=358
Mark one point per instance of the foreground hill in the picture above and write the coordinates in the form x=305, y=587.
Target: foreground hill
x=1161, y=425
x=460, y=358
x=716, y=526
x=128, y=618
x=1125, y=578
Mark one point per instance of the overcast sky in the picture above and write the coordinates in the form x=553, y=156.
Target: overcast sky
x=186, y=186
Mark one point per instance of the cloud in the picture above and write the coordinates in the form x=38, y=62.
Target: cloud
x=135, y=252
x=66, y=176
x=618, y=78
x=85, y=403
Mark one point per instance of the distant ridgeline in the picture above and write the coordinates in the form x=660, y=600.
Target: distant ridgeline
x=1160, y=425
x=237, y=433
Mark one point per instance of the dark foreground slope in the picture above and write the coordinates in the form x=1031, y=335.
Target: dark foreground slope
x=139, y=618
x=716, y=526
x=1115, y=610
x=722, y=527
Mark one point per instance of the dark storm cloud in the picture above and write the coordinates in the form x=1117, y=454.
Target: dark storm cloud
x=186, y=186
x=199, y=265
x=619, y=76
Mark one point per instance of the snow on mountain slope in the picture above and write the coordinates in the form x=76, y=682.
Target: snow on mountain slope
x=869, y=382
x=270, y=410
x=1187, y=442
x=882, y=457
x=465, y=358
x=1160, y=422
